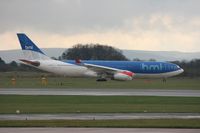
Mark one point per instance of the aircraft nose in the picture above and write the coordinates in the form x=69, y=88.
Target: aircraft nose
x=181, y=70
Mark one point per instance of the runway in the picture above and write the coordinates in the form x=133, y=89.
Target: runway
x=99, y=116
x=97, y=130
x=100, y=92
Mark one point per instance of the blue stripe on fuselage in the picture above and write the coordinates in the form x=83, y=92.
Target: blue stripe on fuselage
x=135, y=66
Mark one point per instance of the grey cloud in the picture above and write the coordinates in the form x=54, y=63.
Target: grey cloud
x=76, y=16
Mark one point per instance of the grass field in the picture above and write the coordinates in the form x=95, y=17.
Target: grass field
x=97, y=104
x=151, y=123
x=33, y=80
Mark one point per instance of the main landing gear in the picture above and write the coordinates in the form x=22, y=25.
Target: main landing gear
x=102, y=77
x=101, y=80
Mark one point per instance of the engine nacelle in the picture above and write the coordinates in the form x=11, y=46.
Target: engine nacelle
x=90, y=74
x=124, y=76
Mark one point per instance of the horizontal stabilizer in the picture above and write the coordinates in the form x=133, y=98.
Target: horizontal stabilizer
x=34, y=63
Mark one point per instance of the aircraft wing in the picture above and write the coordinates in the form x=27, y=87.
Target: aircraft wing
x=117, y=74
x=100, y=69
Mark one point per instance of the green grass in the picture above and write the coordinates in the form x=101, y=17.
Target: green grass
x=97, y=104
x=151, y=123
x=33, y=80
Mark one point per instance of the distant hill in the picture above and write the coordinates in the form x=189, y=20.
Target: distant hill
x=161, y=55
x=10, y=55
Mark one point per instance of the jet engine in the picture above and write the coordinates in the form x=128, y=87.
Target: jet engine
x=123, y=76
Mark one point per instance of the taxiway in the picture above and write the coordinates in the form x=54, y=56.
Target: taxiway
x=99, y=116
x=97, y=130
x=100, y=92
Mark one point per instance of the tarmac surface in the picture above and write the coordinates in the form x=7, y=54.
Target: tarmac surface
x=100, y=92
x=99, y=116
x=97, y=130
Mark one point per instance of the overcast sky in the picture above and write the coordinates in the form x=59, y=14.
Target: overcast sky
x=167, y=25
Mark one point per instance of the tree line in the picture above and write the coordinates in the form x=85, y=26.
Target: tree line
x=93, y=52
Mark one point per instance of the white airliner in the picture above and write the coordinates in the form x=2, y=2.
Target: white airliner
x=116, y=70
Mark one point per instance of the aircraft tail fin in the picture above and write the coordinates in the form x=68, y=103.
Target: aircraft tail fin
x=30, y=50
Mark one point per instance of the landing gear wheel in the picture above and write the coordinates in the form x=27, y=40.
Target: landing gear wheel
x=101, y=80
x=164, y=80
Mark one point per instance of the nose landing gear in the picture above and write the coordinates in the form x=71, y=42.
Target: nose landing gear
x=164, y=80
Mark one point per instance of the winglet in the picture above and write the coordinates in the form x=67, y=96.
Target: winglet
x=78, y=61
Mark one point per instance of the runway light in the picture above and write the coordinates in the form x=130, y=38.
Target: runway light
x=13, y=81
x=78, y=111
x=44, y=81
x=18, y=111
